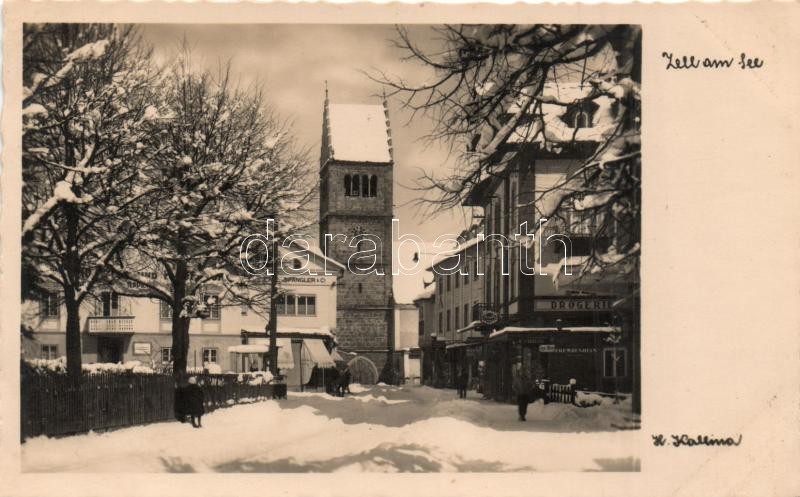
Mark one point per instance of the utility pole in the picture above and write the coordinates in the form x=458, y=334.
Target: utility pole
x=272, y=325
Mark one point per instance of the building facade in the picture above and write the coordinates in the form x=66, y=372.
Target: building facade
x=540, y=310
x=120, y=329
x=356, y=195
x=406, y=341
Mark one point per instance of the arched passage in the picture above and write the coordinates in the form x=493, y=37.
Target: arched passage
x=363, y=371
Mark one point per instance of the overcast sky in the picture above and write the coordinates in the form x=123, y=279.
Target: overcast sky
x=292, y=63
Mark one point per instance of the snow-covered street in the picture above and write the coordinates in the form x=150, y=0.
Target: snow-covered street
x=381, y=428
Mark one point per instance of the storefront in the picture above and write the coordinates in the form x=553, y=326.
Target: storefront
x=563, y=339
x=300, y=354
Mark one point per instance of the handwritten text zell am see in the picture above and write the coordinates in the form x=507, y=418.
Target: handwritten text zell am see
x=692, y=62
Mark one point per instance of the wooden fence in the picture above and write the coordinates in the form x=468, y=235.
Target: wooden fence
x=55, y=405
x=564, y=394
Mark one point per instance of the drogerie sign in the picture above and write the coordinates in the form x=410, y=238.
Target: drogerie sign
x=567, y=304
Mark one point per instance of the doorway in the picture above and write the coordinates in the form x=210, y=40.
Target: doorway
x=109, y=349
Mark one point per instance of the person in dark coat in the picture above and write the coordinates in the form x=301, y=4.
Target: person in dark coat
x=343, y=384
x=461, y=384
x=333, y=381
x=180, y=401
x=193, y=396
x=348, y=376
x=521, y=385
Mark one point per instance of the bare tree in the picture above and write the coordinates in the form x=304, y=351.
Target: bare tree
x=225, y=165
x=85, y=132
x=489, y=97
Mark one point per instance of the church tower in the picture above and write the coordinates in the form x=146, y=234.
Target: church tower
x=356, y=183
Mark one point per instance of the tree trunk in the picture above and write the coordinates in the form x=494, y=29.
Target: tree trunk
x=73, y=333
x=180, y=323
x=72, y=266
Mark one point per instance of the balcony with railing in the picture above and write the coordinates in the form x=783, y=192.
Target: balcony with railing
x=110, y=324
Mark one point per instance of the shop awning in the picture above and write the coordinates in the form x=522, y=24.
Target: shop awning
x=249, y=349
x=469, y=327
x=517, y=330
x=456, y=346
x=321, y=331
x=261, y=346
x=318, y=353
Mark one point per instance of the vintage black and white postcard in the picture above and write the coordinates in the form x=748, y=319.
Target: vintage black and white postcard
x=313, y=249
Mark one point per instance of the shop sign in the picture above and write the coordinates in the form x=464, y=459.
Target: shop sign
x=547, y=348
x=303, y=280
x=568, y=350
x=573, y=305
x=141, y=348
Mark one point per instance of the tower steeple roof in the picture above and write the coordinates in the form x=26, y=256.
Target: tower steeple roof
x=356, y=133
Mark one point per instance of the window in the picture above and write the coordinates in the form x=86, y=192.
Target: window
x=166, y=355
x=458, y=280
x=466, y=274
x=456, y=321
x=581, y=120
x=164, y=310
x=365, y=186
x=466, y=315
x=360, y=288
x=440, y=322
x=108, y=305
x=285, y=305
x=615, y=361
x=49, y=351
x=360, y=185
x=210, y=355
x=448, y=320
x=448, y=282
x=440, y=285
x=49, y=305
x=296, y=264
x=297, y=305
x=306, y=305
x=475, y=271
x=211, y=302
x=512, y=209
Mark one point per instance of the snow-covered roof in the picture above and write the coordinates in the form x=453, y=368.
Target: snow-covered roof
x=471, y=326
x=429, y=292
x=322, y=331
x=571, y=329
x=315, y=250
x=358, y=133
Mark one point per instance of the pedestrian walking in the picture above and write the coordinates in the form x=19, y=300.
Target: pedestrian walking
x=194, y=402
x=461, y=383
x=521, y=385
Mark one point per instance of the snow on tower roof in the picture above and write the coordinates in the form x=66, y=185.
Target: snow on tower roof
x=359, y=133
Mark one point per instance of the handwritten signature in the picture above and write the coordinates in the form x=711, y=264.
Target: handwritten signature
x=688, y=441
x=692, y=62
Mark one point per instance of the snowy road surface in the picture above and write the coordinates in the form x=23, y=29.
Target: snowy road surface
x=382, y=428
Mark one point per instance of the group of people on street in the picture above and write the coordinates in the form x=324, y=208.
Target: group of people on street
x=189, y=402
